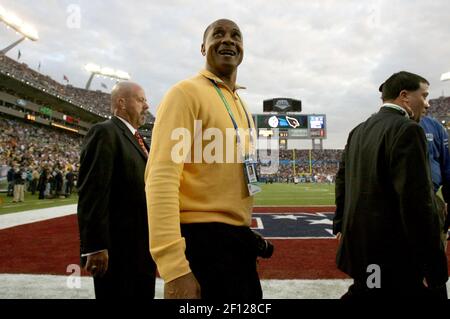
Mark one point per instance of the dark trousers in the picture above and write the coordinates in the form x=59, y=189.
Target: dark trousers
x=223, y=259
x=33, y=186
x=69, y=188
x=41, y=193
x=10, y=189
x=125, y=286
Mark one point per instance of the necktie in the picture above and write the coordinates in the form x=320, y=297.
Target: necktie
x=141, y=142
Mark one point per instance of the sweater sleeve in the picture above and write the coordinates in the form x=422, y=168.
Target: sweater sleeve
x=171, y=144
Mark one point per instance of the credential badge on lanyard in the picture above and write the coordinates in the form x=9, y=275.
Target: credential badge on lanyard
x=249, y=163
x=251, y=176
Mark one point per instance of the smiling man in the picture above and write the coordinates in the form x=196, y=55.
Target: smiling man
x=200, y=211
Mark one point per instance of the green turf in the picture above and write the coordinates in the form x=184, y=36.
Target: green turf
x=272, y=195
x=295, y=194
x=32, y=202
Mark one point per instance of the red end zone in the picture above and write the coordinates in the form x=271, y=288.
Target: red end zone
x=48, y=247
x=299, y=258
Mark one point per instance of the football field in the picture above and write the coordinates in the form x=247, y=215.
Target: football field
x=277, y=194
x=302, y=194
x=297, y=218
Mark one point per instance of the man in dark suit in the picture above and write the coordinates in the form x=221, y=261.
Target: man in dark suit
x=386, y=217
x=112, y=211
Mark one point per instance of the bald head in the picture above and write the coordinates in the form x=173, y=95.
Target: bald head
x=122, y=90
x=128, y=101
x=214, y=23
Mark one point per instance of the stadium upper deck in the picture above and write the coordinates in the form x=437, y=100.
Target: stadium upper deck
x=30, y=92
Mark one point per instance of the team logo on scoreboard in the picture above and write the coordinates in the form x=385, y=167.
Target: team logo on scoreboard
x=293, y=122
x=283, y=121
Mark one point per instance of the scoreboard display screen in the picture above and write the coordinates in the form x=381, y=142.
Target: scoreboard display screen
x=296, y=126
x=282, y=121
x=316, y=121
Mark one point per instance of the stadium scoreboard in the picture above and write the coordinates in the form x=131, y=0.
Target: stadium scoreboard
x=292, y=126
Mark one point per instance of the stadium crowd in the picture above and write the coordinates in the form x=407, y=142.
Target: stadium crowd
x=43, y=160
x=297, y=166
x=94, y=101
x=34, y=151
x=46, y=161
x=440, y=108
x=97, y=101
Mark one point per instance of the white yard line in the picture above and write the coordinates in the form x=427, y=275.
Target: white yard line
x=31, y=216
x=36, y=215
x=56, y=287
x=50, y=287
x=22, y=286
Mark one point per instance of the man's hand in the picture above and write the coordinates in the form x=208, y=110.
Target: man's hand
x=97, y=264
x=184, y=287
x=339, y=236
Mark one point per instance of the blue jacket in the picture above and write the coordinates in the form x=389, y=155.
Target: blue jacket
x=438, y=151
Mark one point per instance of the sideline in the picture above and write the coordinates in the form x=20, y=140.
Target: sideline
x=36, y=215
x=55, y=287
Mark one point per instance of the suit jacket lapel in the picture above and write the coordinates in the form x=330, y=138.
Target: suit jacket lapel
x=126, y=132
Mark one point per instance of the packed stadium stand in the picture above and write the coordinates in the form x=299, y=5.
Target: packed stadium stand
x=94, y=101
x=302, y=166
x=39, y=157
x=42, y=123
x=440, y=109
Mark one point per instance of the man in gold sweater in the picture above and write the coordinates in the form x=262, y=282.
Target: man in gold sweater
x=198, y=195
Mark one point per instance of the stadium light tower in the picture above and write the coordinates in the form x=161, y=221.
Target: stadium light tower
x=14, y=22
x=107, y=72
x=445, y=76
